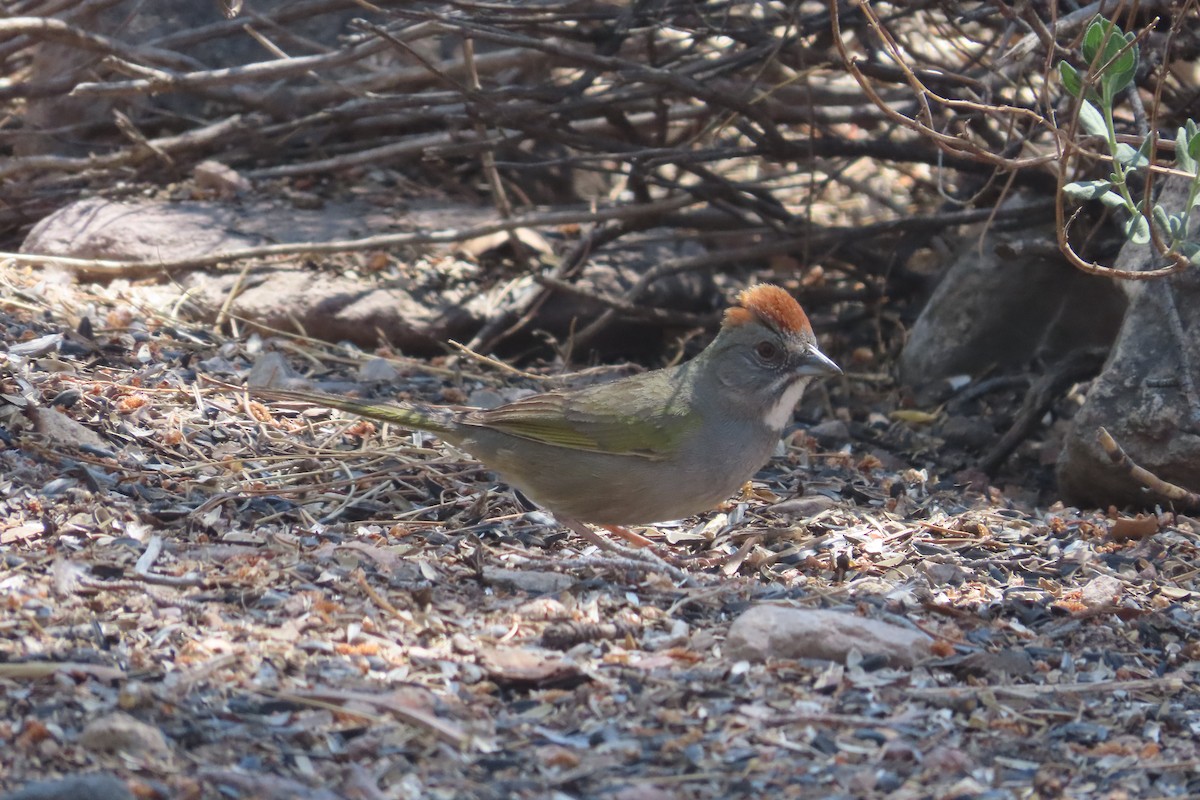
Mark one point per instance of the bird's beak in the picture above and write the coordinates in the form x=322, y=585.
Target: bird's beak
x=814, y=362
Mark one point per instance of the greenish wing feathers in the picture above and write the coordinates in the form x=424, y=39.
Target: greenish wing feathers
x=589, y=421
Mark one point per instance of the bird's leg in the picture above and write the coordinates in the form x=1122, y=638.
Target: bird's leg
x=635, y=539
x=584, y=530
x=590, y=535
x=633, y=554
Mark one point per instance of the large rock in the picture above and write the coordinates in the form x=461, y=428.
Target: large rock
x=1005, y=303
x=434, y=297
x=157, y=230
x=1146, y=396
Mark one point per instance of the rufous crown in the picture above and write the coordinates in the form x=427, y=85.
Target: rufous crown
x=774, y=307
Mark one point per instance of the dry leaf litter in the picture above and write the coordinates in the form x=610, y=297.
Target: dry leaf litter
x=208, y=596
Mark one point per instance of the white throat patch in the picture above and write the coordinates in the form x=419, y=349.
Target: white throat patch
x=778, y=414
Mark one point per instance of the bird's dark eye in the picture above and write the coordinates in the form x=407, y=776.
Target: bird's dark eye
x=767, y=351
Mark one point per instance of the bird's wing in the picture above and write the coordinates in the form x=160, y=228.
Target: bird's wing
x=632, y=422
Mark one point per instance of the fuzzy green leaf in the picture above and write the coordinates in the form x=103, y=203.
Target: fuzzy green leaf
x=1160, y=218
x=1082, y=191
x=1093, y=40
x=1127, y=61
x=1113, y=200
x=1102, y=42
x=1175, y=225
x=1070, y=79
x=1141, y=158
x=1111, y=56
x=1121, y=72
x=1091, y=120
x=1184, y=160
x=1137, y=229
x=1133, y=159
x=1113, y=84
x=1190, y=251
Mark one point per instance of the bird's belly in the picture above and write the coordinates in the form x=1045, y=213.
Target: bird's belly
x=609, y=489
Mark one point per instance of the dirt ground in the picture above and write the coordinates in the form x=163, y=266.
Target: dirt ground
x=208, y=596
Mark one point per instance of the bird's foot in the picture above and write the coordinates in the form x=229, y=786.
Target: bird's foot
x=641, y=553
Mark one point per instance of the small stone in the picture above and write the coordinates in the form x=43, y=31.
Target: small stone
x=948, y=760
x=36, y=348
x=1009, y=662
x=120, y=732
x=1085, y=733
x=485, y=398
x=306, y=200
x=804, y=507
x=378, y=370
x=542, y=609
x=832, y=433
x=1103, y=590
x=61, y=429
x=777, y=632
x=971, y=433
x=944, y=574
x=271, y=369
x=900, y=750
x=219, y=179
x=527, y=666
x=531, y=581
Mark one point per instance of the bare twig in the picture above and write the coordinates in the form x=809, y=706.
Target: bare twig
x=1176, y=494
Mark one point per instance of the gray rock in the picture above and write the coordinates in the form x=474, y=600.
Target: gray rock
x=999, y=308
x=948, y=574
x=777, y=632
x=120, y=732
x=415, y=315
x=1009, y=662
x=325, y=305
x=213, y=177
x=532, y=581
x=378, y=370
x=804, y=507
x=831, y=433
x=971, y=433
x=272, y=369
x=487, y=398
x=1146, y=396
x=1100, y=591
x=153, y=230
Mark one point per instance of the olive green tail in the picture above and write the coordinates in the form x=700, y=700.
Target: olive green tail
x=406, y=416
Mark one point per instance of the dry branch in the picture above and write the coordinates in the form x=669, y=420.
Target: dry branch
x=737, y=105
x=1176, y=494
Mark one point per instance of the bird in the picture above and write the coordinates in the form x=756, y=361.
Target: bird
x=657, y=446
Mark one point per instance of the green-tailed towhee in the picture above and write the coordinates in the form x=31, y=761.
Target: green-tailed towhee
x=651, y=447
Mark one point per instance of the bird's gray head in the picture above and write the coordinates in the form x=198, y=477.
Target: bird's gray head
x=766, y=354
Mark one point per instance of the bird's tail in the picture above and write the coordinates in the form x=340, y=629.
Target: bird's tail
x=432, y=420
